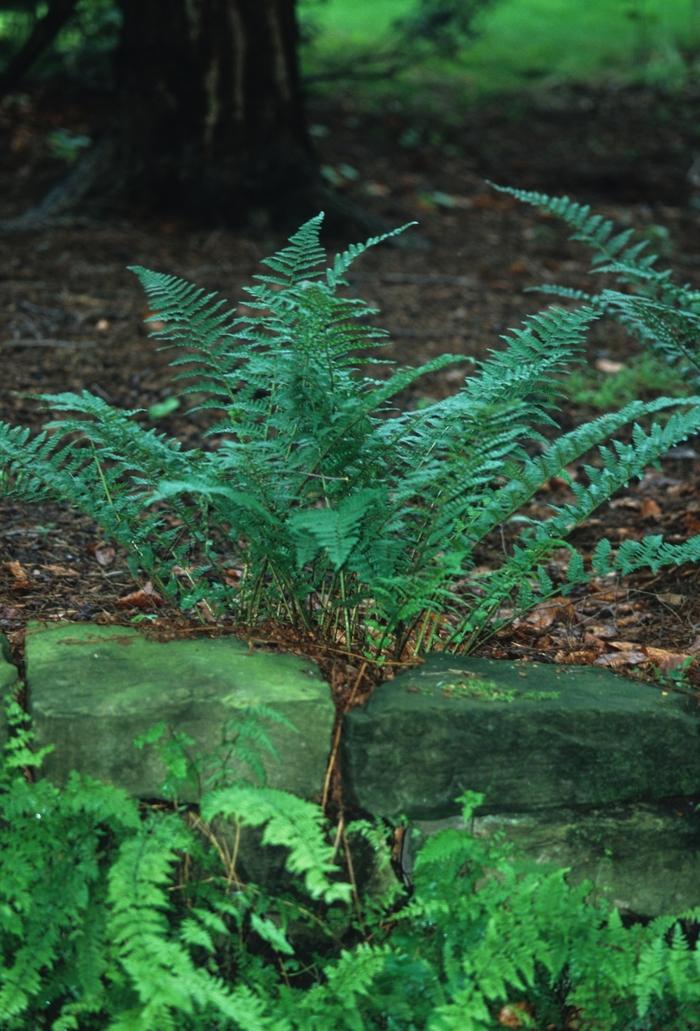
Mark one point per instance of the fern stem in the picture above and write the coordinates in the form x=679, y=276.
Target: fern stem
x=103, y=480
x=346, y=614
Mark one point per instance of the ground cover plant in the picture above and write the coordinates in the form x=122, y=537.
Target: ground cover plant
x=318, y=504
x=156, y=925
x=618, y=383
x=512, y=44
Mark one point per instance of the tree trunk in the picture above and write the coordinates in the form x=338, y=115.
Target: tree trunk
x=211, y=119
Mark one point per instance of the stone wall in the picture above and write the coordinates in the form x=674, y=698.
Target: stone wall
x=578, y=766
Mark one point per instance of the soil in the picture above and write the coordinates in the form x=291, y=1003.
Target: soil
x=71, y=319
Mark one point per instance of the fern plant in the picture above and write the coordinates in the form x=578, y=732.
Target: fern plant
x=116, y=918
x=339, y=513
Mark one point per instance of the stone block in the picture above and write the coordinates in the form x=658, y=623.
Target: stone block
x=93, y=689
x=526, y=735
x=643, y=859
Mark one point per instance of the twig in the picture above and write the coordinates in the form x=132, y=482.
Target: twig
x=48, y=342
x=336, y=737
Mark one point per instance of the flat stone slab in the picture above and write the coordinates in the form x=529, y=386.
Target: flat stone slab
x=644, y=859
x=93, y=689
x=526, y=735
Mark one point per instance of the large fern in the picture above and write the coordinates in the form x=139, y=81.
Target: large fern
x=341, y=514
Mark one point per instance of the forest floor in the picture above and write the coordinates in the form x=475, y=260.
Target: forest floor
x=71, y=319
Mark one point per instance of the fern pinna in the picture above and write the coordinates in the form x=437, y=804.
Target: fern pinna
x=340, y=514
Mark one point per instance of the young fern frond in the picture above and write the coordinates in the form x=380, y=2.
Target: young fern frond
x=302, y=259
x=166, y=984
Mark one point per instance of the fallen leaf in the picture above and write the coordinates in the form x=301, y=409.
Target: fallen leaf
x=581, y=657
x=375, y=189
x=615, y=660
x=669, y=598
x=544, y=614
x=635, y=617
x=682, y=452
x=626, y=503
x=20, y=577
x=609, y=367
x=601, y=630
x=57, y=570
x=490, y=201
x=650, y=509
x=515, y=1015
x=592, y=641
x=102, y=325
x=10, y=613
x=690, y=523
x=206, y=611
x=154, y=323
x=145, y=598
x=666, y=660
x=104, y=555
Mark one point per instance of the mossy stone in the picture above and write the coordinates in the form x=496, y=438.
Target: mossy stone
x=93, y=689
x=643, y=859
x=526, y=735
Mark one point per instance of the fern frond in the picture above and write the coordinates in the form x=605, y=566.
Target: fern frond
x=501, y=504
x=609, y=242
x=334, y=531
x=301, y=260
x=288, y=821
x=335, y=276
x=654, y=553
x=673, y=332
x=192, y=317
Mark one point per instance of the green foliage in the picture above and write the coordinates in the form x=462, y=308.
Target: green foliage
x=511, y=49
x=341, y=515
x=663, y=314
x=66, y=145
x=115, y=918
x=643, y=376
x=379, y=42
x=82, y=50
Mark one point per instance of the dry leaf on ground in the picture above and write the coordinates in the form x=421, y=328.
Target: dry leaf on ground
x=20, y=578
x=145, y=598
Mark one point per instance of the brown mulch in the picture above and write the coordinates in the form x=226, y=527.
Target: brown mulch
x=71, y=319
